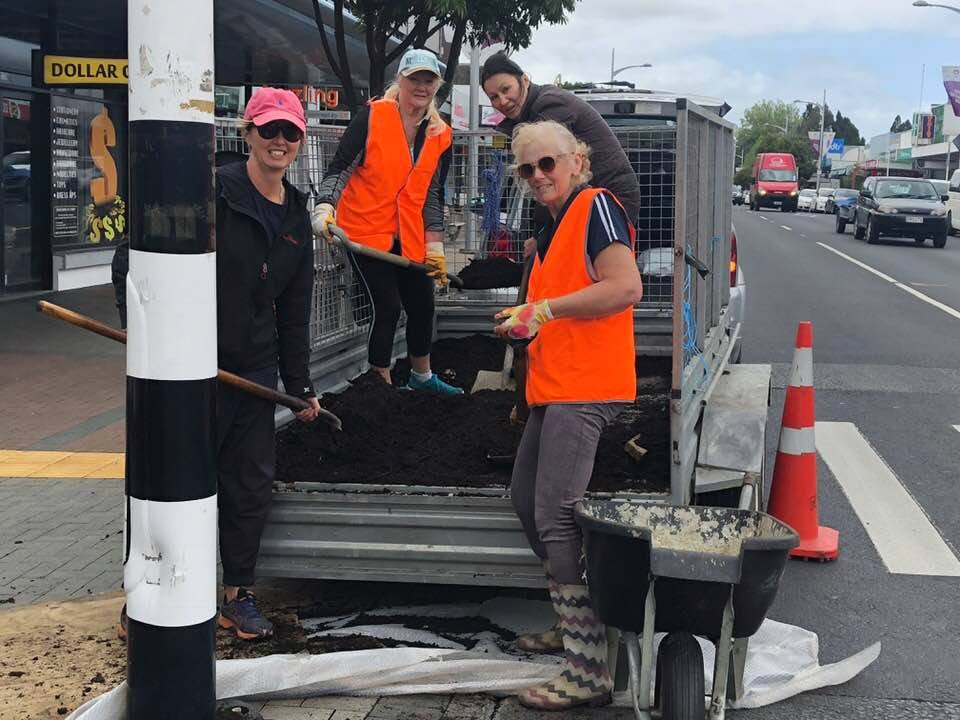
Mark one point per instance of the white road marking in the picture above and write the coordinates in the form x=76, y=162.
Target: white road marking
x=953, y=312
x=763, y=217
x=786, y=228
x=802, y=235
x=903, y=535
x=930, y=301
x=929, y=284
x=957, y=428
x=857, y=262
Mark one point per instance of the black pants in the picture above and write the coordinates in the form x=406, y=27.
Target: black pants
x=391, y=289
x=245, y=470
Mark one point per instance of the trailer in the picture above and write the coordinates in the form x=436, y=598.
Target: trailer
x=683, y=155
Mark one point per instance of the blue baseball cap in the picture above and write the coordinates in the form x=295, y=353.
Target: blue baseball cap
x=416, y=59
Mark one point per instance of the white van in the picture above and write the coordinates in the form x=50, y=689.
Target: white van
x=953, y=204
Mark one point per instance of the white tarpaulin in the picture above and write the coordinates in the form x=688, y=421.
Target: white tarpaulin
x=782, y=661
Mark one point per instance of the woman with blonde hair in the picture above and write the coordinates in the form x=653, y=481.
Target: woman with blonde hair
x=386, y=185
x=579, y=320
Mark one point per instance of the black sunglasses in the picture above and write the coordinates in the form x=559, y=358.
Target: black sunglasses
x=291, y=133
x=546, y=164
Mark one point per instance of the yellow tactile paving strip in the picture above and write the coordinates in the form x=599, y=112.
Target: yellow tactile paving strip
x=47, y=464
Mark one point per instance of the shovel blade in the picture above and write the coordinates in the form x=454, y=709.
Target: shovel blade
x=492, y=380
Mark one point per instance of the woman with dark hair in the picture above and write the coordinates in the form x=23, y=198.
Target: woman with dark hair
x=521, y=101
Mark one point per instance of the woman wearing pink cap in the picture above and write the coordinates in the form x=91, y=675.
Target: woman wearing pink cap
x=264, y=297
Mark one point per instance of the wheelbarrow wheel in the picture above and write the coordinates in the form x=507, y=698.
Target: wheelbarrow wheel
x=679, y=690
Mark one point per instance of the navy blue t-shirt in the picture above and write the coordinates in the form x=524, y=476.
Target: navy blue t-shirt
x=270, y=214
x=608, y=225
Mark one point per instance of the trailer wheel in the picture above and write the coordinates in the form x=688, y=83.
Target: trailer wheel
x=680, y=685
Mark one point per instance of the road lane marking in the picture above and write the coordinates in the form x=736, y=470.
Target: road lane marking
x=929, y=284
x=857, y=262
x=802, y=235
x=953, y=312
x=930, y=301
x=763, y=217
x=957, y=428
x=903, y=535
x=786, y=228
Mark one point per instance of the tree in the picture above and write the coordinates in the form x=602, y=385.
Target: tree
x=845, y=130
x=811, y=119
x=899, y=126
x=411, y=23
x=763, y=116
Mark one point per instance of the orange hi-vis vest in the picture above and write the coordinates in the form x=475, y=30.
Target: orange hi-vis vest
x=577, y=360
x=386, y=193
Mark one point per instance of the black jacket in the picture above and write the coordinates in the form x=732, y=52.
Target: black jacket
x=264, y=288
x=609, y=163
x=264, y=285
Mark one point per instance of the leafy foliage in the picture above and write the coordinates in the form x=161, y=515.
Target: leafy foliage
x=390, y=28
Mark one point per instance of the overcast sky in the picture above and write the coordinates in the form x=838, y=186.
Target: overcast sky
x=867, y=54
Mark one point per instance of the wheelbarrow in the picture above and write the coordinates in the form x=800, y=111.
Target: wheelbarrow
x=684, y=571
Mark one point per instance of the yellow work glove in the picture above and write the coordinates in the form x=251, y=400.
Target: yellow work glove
x=321, y=218
x=523, y=322
x=437, y=262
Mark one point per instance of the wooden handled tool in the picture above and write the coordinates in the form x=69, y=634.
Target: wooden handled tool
x=398, y=260
x=520, y=349
x=260, y=391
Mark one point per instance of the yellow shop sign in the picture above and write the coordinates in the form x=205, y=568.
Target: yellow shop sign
x=68, y=70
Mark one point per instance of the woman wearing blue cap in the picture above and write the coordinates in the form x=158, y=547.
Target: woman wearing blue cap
x=386, y=185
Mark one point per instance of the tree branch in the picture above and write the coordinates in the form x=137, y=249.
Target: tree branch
x=321, y=26
x=346, y=78
x=418, y=28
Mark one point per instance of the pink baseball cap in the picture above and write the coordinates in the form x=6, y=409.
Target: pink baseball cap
x=269, y=103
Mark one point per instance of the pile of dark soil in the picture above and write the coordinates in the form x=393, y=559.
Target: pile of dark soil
x=394, y=437
x=491, y=272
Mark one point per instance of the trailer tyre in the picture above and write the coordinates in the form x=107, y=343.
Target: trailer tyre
x=680, y=685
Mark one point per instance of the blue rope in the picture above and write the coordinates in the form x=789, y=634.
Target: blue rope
x=491, y=195
x=690, y=348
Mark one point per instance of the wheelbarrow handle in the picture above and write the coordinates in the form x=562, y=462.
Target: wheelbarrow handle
x=261, y=391
x=398, y=260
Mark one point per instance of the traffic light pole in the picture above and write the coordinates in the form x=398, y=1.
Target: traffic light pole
x=171, y=487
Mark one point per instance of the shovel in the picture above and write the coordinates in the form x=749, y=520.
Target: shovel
x=500, y=379
x=261, y=391
x=357, y=249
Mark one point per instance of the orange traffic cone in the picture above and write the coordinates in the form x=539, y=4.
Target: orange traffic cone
x=793, y=492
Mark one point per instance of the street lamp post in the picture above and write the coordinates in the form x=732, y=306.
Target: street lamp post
x=924, y=3
x=823, y=115
x=614, y=73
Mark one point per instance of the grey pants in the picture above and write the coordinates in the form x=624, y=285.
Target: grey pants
x=550, y=475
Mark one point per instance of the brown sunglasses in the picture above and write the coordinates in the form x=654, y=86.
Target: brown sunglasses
x=546, y=164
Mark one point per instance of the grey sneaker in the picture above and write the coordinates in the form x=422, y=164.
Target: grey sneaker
x=242, y=616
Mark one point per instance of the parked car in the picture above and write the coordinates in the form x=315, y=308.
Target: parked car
x=737, y=195
x=16, y=176
x=823, y=194
x=840, y=193
x=844, y=210
x=656, y=269
x=774, y=182
x=807, y=199
x=953, y=204
x=900, y=207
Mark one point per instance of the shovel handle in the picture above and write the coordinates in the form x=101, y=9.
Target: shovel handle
x=398, y=260
x=261, y=391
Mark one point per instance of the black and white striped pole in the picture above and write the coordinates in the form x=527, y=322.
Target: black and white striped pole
x=170, y=562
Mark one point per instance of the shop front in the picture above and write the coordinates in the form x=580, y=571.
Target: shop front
x=63, y=120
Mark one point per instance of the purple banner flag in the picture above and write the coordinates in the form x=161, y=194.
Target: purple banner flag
x=951, y=82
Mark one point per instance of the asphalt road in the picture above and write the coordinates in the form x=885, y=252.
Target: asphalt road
x=887, y=361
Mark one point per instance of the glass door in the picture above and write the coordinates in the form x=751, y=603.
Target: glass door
x=17, y=268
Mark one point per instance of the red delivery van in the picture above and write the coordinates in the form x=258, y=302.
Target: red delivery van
x=774, y=182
